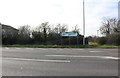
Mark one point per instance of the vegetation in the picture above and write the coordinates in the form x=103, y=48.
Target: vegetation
x=111, y=33
x=46, y=35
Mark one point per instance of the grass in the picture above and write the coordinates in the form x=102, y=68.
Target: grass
x=91, y=45
x=50, y=46
x=109, y=46
x=102, y=46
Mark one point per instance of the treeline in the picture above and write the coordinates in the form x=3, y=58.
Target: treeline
x=110, y=29
x=44, y=34
x=47, y=34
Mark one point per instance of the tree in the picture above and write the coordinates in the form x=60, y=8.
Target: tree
x=109, y=26
x=40, y=34
x=45, y=27
x=53, y=36
x=61, y=28
x=76, y=29
x=24, y=34
x=37, y=37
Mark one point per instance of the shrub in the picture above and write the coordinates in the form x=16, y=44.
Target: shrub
x=102, y=40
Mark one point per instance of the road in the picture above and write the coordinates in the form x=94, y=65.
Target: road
x=59, y=62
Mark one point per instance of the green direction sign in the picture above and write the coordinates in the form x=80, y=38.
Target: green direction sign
x=70, y=34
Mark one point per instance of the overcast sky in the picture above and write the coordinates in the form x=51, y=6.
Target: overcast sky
x=33, y=12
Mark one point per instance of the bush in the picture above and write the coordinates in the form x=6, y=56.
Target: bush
x=113, y=39
x=102, y=40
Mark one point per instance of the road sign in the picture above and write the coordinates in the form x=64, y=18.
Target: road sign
x=69, y=34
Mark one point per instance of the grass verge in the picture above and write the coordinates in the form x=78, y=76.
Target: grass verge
x=62, y=46
x=109, y=46
x=49, y=46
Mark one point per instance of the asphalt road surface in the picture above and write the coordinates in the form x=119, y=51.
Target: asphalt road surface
x=59, y=62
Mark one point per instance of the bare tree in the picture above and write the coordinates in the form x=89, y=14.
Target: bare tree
x=61, y=28
x=44, y=28
x=109, y=26
x=76, y=29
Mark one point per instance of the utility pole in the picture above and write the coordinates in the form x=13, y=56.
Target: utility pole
x=83, y=23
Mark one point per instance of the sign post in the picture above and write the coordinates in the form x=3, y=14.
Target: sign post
x=61, y=39
x=77, y=40
x=69, y=40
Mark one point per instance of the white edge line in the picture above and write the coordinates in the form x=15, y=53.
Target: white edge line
x=39, y=60
x=103, y=57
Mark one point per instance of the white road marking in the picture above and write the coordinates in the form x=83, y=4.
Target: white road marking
x=102, y=57
x=63, y=49
x=58, y=49
x=39, y=60
x=114, y=58
x=47, y=49
x=7, y=48
x=73, y=49
x=95, y=51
